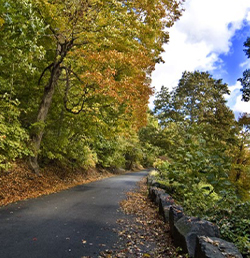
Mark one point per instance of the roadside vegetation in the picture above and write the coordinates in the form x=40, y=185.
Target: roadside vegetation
x=205, y=163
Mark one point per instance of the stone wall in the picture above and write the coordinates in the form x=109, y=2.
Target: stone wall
x=197, y=237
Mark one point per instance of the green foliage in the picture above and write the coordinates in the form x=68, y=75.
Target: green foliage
x=110, y=152
x=22, y=55
x=206, y=166
x=198, y=99
x=13, y=138
x=197, y=159
x=162, y=166
x=81, y=155
x=73, y=150
x=247, y=47
x=36, y=127
x=149, y=153
x=119, y=151
x=200, y=198
x=148, y=135
x=245, y=80
x=61, y=58
x=240, y=172
x=198, y=177
x=232, y=217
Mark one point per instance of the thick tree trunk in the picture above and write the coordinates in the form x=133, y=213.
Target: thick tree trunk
x=42, y=114
x=61, y=52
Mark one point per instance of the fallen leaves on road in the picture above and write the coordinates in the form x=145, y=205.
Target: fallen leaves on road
x=143, y=234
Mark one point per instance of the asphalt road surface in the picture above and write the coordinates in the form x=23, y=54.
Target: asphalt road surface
x=73, y=223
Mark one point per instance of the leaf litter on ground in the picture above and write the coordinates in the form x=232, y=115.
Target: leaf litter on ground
x=143, y=233
x=20, y=183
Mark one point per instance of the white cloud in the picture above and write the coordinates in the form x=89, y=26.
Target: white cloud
x=241, y=106
x=235, y=89
x=235, y=93
x=248, y=16
x=213, y=21
x=199, y=37
x=245, y=64
x=234, y=100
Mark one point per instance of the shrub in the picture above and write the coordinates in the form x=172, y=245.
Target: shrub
x=13, y=138
x=220, y=205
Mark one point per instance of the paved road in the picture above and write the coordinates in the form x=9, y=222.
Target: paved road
x=57, y=225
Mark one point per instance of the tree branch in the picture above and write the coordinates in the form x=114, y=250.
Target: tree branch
x=48, y=67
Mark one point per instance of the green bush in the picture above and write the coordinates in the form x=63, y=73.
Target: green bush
x=232, y=217
x=69, y=149
x=13, y=138
x=220, y=205
x=119, y=151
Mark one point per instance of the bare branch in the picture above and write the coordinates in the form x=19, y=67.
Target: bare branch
x=48, y=67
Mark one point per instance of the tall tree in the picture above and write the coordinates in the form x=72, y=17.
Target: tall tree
x=199, y=99
x=21, y=51
x=201, y=130
x=163, y=104
x=20, y=54
x=98, y=53
x=245, y=80
x=97, y=30
x=241, y=172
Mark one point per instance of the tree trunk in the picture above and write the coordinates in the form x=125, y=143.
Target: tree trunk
x=61, y=52
x=42, y=114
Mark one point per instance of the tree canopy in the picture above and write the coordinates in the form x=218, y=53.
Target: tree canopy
x=203, y=159
x=245, y=80
x=198, y=99
x=88, y=58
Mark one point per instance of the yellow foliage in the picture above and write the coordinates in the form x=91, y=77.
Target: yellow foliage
x=1, y=22
x=154, y=173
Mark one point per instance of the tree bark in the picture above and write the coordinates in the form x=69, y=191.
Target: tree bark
x=42, y=114
x=55, y=72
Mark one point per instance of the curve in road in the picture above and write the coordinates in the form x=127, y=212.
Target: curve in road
x=77, y=222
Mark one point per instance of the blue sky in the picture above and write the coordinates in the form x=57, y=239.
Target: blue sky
x=232, y=61
x=208, y=37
